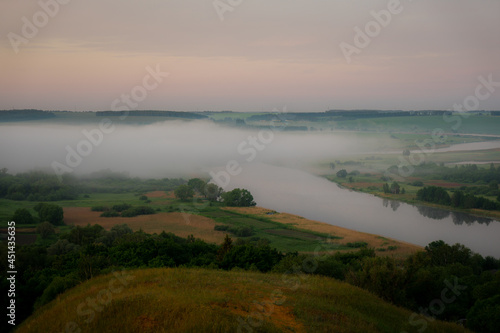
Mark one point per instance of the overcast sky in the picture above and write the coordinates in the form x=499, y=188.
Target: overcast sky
x=264, y=54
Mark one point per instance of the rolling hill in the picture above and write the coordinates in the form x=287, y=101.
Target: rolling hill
x=200, y=300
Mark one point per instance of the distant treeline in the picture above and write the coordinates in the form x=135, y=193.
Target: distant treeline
x=469, y=173
x=343, y=114
x=382, y=113
x=27, y=114
x=151, y=113
x=41, y=186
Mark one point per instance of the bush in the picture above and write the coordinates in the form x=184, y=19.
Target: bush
x=184, y=192
x=221, y=227
x=23, y=216
x=45, y=229
x=238, y=198
x=484, y=316
x=342, y=173
x=135, y=211
x=57, y=286
x=121, y=207
x=110, y=213
x=50, y=213
x=143, y=197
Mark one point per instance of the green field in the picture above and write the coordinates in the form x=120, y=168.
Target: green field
x=283, y=237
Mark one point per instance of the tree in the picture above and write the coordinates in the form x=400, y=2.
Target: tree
x=23, y=216
x=184, y=192
x=403, y=191
x=238, y=198
x=457, y=199
x=226, y=246
x=395, y=188
x=406, y=152
x=385, y=188
x=342, y=173
x=434, y=194
x=50, y=213
x=197, y=184
x=213, y=192
x=45, y=229
x=484, y=316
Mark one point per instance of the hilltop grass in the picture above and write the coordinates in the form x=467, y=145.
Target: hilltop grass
x=199, y=300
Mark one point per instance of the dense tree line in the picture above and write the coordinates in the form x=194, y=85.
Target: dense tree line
x=434, y=194
x=85, y=252
x=458, y=199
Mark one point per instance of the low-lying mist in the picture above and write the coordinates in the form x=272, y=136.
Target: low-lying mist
x=166, y=149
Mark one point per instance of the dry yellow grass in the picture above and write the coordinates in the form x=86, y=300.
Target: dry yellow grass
x=181, y=224
x=348, y=236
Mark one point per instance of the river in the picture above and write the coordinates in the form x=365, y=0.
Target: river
x=298, y=192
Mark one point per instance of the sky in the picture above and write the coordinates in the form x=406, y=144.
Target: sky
x=247, y=55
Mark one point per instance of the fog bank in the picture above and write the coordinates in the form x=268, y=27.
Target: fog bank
x=167, y=149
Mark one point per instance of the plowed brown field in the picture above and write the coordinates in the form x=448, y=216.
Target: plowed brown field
x=180, y=224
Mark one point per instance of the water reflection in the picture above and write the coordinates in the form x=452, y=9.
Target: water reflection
x=457, y=217
x=433, y=213
x=461, y=218
x=393, y=203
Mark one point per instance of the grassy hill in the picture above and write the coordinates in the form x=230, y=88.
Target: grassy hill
x=196, y=300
